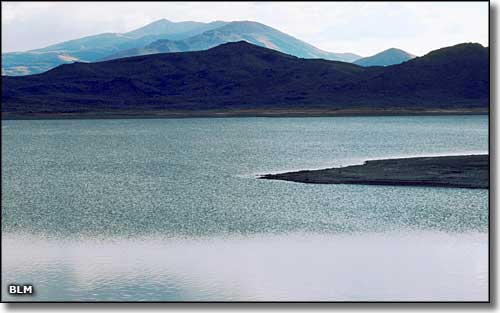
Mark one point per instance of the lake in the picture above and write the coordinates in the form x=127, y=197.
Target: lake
x=172, y=210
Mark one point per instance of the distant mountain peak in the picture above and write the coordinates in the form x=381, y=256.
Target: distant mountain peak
x=394, y=50
x=160, y=21
x=387, y=57
x=165, y=26
x=250, y=26
x=248, y=23
x=250, y=32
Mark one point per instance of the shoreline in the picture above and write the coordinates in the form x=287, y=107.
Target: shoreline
x=456, y=171
x=244, y=113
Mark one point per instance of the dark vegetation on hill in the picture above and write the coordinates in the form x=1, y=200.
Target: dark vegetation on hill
x=244, y=76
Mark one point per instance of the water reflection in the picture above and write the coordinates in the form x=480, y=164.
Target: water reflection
x=370, y=266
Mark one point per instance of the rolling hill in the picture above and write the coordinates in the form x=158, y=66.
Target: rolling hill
x=242, y=76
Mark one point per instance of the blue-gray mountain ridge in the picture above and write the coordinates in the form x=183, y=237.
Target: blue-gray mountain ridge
x=251, y=32
x=160, y=36
x=387, y=57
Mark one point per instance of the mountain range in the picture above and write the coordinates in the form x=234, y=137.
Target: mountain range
x=92, y=48
x=252, y=32
x=165, y=36
x=160, y=36
x=243, y=76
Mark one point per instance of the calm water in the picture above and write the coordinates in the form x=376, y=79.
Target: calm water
x=171, y=209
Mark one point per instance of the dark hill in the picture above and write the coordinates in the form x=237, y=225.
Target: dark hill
x=244, y=76
x=460, y=72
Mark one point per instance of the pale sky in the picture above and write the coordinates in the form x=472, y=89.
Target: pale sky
x=364, y=28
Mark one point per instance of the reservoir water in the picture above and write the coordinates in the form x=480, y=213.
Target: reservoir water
x=172, y=210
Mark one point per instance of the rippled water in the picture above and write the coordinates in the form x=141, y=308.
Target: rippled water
x=171, y=209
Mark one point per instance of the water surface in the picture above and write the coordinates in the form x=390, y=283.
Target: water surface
x=170, y=209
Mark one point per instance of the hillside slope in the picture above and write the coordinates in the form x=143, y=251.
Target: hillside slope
x=244, y=76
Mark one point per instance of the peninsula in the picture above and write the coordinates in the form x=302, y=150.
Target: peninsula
x=464, y=171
